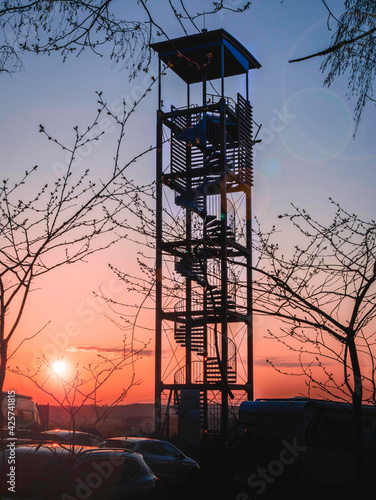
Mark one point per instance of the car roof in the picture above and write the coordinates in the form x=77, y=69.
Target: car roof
x=296, y=405
x=135, y=439
x=105, y=452
x=16, y=395
x=138, y=441
x=66, y=432
x=47, y=450
x=63, y=433
x=81, y=454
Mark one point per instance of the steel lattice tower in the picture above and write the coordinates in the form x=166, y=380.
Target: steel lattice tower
x=203, y=182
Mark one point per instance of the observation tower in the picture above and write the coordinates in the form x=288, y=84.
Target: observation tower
x=204, y=165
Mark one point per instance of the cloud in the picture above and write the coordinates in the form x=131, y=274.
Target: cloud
x=281, y=363
x=278, y=362
x=93, y=348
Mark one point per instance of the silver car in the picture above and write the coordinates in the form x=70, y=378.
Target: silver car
x=165, y=460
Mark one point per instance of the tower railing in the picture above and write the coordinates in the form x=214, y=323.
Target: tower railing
x=196, y=303
x=197, y=367
x=214, y=99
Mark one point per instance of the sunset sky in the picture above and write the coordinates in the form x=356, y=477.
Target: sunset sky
x=308, y=154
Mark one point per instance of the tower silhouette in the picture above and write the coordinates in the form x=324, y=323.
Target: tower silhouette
x=204, y=165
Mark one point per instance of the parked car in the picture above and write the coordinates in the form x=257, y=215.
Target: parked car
x=76, y=438
x=165, y=460
x=55, y=472
x=20, y=414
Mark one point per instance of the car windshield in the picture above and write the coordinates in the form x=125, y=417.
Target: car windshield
x=77, y=438
x=121, y=443
x=85, y=439
x=151, y=447
x=95, y=441
x=171, y=451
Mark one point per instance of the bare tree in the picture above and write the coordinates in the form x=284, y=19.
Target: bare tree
x=323, y=291
x=61, y=223
x=85, y=386
x=79, y=399
x=324, y=294
x=351, y=51
x=47, y=26
x=44, y=27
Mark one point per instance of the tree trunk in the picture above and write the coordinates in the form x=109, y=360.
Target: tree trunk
x=3, y=363
x=357, y=397
x=3, y=367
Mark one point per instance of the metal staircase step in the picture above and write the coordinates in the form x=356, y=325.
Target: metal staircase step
x=214, y=298
x=214, y=231
x=194, y=133
x=214, y=373
x=190, y=269
x=209, y=218
x=196, y=342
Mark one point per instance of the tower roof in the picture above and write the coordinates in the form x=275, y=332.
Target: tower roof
x=189, y=55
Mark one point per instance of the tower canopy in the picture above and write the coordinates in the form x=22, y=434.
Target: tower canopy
x=188, y=56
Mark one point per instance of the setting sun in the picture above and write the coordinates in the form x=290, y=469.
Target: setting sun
x=59, y=367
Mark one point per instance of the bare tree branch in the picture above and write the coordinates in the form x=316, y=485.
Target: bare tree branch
x=335, y=47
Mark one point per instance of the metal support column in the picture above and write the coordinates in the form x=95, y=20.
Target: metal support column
x=158, y=268
x=248, y=201
x=224, y=275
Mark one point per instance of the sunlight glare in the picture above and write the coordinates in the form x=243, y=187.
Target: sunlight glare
x=59, y=367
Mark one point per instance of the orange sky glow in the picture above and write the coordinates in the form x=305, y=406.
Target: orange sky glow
x=308, y=154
